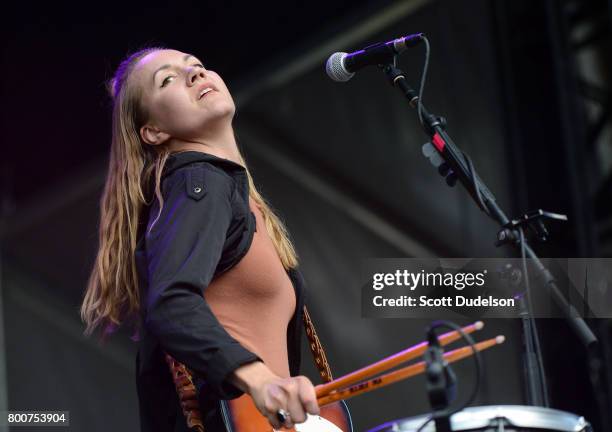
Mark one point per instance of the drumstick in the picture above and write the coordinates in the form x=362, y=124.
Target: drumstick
x=391, y=361
x=405, y=372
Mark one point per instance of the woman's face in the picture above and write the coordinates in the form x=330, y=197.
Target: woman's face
x=184, y=100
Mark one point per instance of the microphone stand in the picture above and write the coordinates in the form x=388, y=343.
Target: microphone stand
x=441, y=382
x=459, y=167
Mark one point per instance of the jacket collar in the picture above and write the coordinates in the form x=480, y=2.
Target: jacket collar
x=236, y=171
x=180, y=159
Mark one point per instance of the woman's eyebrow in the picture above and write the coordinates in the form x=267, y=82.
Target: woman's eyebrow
x=166, y=66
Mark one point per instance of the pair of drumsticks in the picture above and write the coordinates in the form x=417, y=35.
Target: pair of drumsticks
x=333, y=390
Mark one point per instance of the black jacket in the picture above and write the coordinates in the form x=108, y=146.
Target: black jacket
x=205, y=228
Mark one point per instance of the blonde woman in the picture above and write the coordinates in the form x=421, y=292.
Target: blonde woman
x=190, y=250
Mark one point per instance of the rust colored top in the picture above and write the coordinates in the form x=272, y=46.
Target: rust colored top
x=255, y=300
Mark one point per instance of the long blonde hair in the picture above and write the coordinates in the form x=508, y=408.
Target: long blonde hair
x=112, y=293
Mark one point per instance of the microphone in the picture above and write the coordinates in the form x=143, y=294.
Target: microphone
x=341, y=66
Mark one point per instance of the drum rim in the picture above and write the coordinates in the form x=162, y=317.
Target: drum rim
x=480, y=416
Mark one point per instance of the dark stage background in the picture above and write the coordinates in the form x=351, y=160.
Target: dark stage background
x=525, y=88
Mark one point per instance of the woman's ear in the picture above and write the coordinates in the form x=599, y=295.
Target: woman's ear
x=152, y=135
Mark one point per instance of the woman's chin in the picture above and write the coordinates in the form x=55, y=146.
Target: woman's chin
x=217, y=106
x=220, y=112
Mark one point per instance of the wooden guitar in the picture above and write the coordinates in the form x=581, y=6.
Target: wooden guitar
x=241, y=415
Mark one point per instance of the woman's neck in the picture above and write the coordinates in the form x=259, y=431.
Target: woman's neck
x=222, y=144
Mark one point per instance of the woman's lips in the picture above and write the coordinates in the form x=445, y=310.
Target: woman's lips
x=204, y=89
x=204, y=96
x=207, y=93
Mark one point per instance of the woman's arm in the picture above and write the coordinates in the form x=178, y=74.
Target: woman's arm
x=183, y=249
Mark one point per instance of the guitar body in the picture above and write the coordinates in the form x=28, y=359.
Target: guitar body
x=241, y=415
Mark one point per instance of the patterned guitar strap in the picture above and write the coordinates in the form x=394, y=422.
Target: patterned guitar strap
x=186, y=390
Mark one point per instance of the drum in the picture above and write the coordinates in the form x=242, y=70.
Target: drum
x=497, y=418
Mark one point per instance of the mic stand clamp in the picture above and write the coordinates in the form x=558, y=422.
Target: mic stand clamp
x=533, y=220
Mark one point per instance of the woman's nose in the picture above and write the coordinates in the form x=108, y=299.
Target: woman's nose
x=194, y=74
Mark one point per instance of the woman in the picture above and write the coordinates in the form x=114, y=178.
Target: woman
x=190, y=249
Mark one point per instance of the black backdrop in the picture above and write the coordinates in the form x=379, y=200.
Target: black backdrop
x=340, y=162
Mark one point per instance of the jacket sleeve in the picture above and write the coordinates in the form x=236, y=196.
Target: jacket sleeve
x=183, y=248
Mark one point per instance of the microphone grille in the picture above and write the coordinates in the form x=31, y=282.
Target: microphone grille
x=335, y=67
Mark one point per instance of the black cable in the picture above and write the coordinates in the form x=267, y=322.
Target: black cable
x=477, y=362
x=472, y=172
x=423, y=77
x=480, y=201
